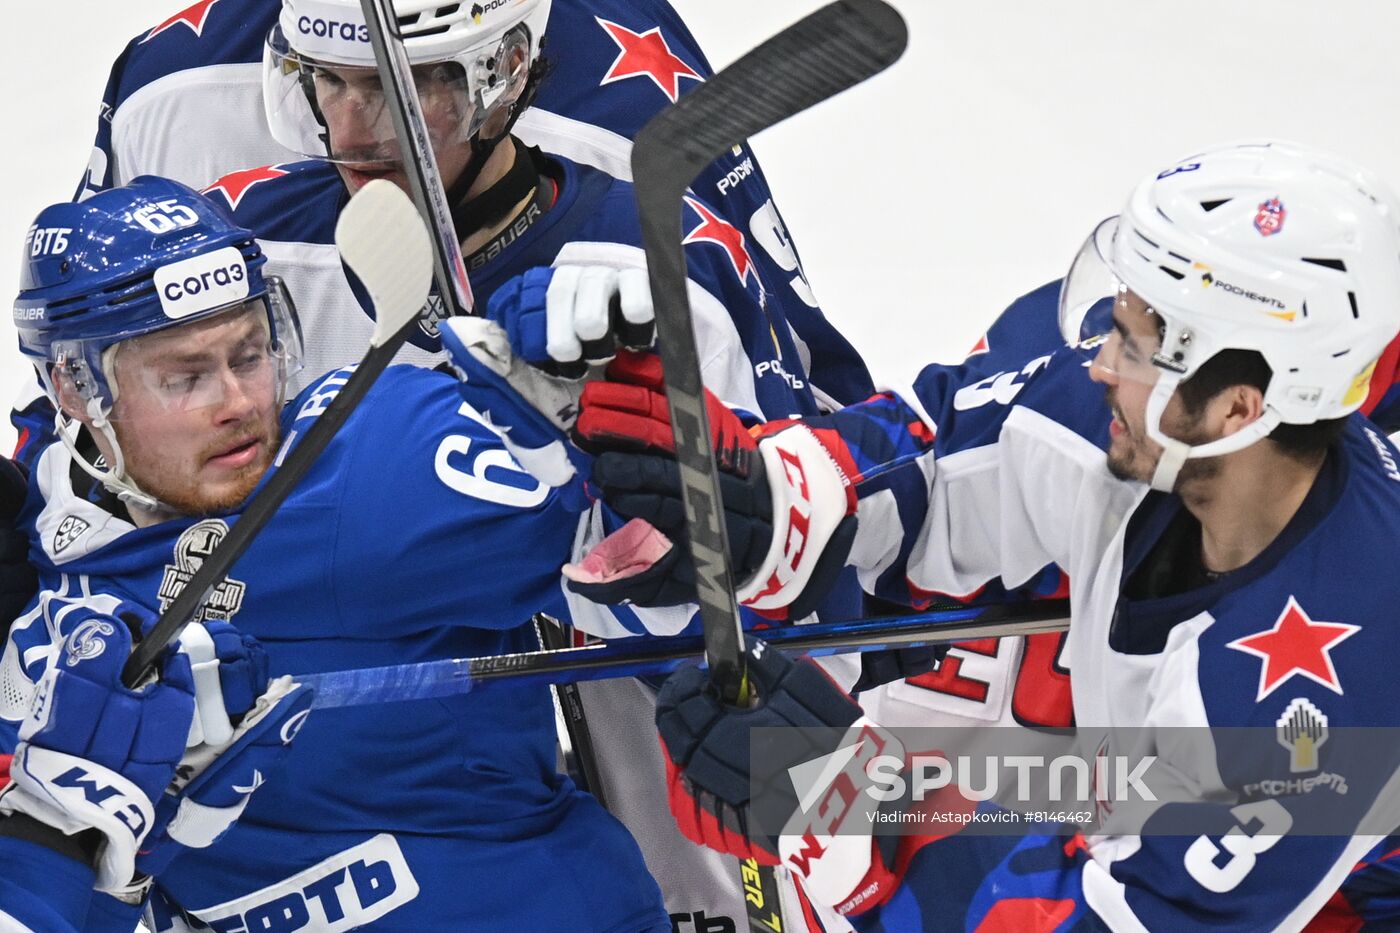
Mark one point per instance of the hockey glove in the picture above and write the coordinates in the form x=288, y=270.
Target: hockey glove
x=214, y=782
x=710, y=784
x=567, y=318
x=789, y=507
x=18, y=582
x=93, y=754
x=531, y=409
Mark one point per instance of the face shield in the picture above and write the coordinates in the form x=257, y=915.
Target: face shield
x=338, y=112
x=254, y=348
x=1089, y=297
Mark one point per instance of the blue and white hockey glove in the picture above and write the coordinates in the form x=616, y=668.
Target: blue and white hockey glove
x=566, y=319
x=93, y=754
x=18, y=581
x=531, y=409
x=214, y=782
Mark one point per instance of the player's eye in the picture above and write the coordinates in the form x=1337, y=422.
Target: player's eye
x=182, y=383
x=250, y=360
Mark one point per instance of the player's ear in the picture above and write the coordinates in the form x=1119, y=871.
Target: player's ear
x=1242, y=405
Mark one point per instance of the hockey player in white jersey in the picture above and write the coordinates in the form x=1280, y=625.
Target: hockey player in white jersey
x=1252, y=289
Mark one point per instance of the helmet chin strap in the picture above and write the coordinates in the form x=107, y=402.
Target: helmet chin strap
x=114, y=479
x=1175, y=453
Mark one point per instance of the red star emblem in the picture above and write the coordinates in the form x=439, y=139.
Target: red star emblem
x=236, y=184
x=193, y=17
x=1296, y=645
x=712, y=229
x=648, y=54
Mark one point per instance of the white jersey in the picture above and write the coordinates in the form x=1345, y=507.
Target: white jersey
x=1005, y=488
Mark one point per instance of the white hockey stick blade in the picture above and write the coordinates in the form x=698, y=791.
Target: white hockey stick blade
x=382, y=239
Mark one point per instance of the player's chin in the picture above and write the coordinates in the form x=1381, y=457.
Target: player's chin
x=1125, y=460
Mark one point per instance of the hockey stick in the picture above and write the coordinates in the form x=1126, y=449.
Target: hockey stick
x=831, y=50
x=659, y=656
x=382, y=239
x=425, y=180
x=419, y=162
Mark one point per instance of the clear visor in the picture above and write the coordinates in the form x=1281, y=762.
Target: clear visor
x=338, y=112
x=250, y=350
x=1122, y=344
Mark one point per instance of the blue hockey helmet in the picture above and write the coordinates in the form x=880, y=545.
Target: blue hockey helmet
x=129, y=262
x=132, y=261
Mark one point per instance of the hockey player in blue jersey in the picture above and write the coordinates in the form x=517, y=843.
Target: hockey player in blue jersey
x=1199, y=472
x=167, y=346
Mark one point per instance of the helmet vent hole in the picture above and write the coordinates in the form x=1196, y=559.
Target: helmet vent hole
x=1145, y=239
x=449, y=9
x=1209, y=206
x=1351, y=296
x=1341, y=353
x=1172, y=272
x=1337, y=264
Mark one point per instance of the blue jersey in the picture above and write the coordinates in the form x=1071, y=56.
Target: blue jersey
x=956, y=487
x=389, y=551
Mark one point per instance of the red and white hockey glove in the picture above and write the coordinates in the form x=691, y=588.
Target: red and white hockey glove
x=713, y=794
x=789, y=506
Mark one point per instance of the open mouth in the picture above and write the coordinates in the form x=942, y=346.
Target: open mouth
x=363, y=173
x=237, y=456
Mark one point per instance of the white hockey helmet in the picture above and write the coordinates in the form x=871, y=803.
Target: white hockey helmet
x=490, y=46
x=1263, y=246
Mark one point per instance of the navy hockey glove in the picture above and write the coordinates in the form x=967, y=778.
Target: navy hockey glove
x=565, y=319
x=710, y=775
x=18, y=582
x=790, y=527
x=93, y=754
x=708, y=768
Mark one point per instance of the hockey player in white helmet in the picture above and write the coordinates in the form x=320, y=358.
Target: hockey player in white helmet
x=1194, y=462
x=476, y=68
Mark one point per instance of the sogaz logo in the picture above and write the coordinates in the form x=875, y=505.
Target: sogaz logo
x=202, y=283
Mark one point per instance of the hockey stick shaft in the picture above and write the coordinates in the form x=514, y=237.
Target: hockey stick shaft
x=660, y=656
x=829, y=51
x=419, y=162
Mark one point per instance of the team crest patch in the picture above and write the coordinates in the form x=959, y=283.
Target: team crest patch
x=195, y=544
x=69, y=530
x=1270, y=218
x=431, y=315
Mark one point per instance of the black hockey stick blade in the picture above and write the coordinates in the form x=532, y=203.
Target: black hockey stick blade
x=420, y=164
x=831, y=50
x=381, y=238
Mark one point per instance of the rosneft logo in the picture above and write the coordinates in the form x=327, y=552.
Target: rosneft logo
x=479, y=10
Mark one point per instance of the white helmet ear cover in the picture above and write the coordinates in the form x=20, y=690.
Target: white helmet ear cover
x=1175, y=453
